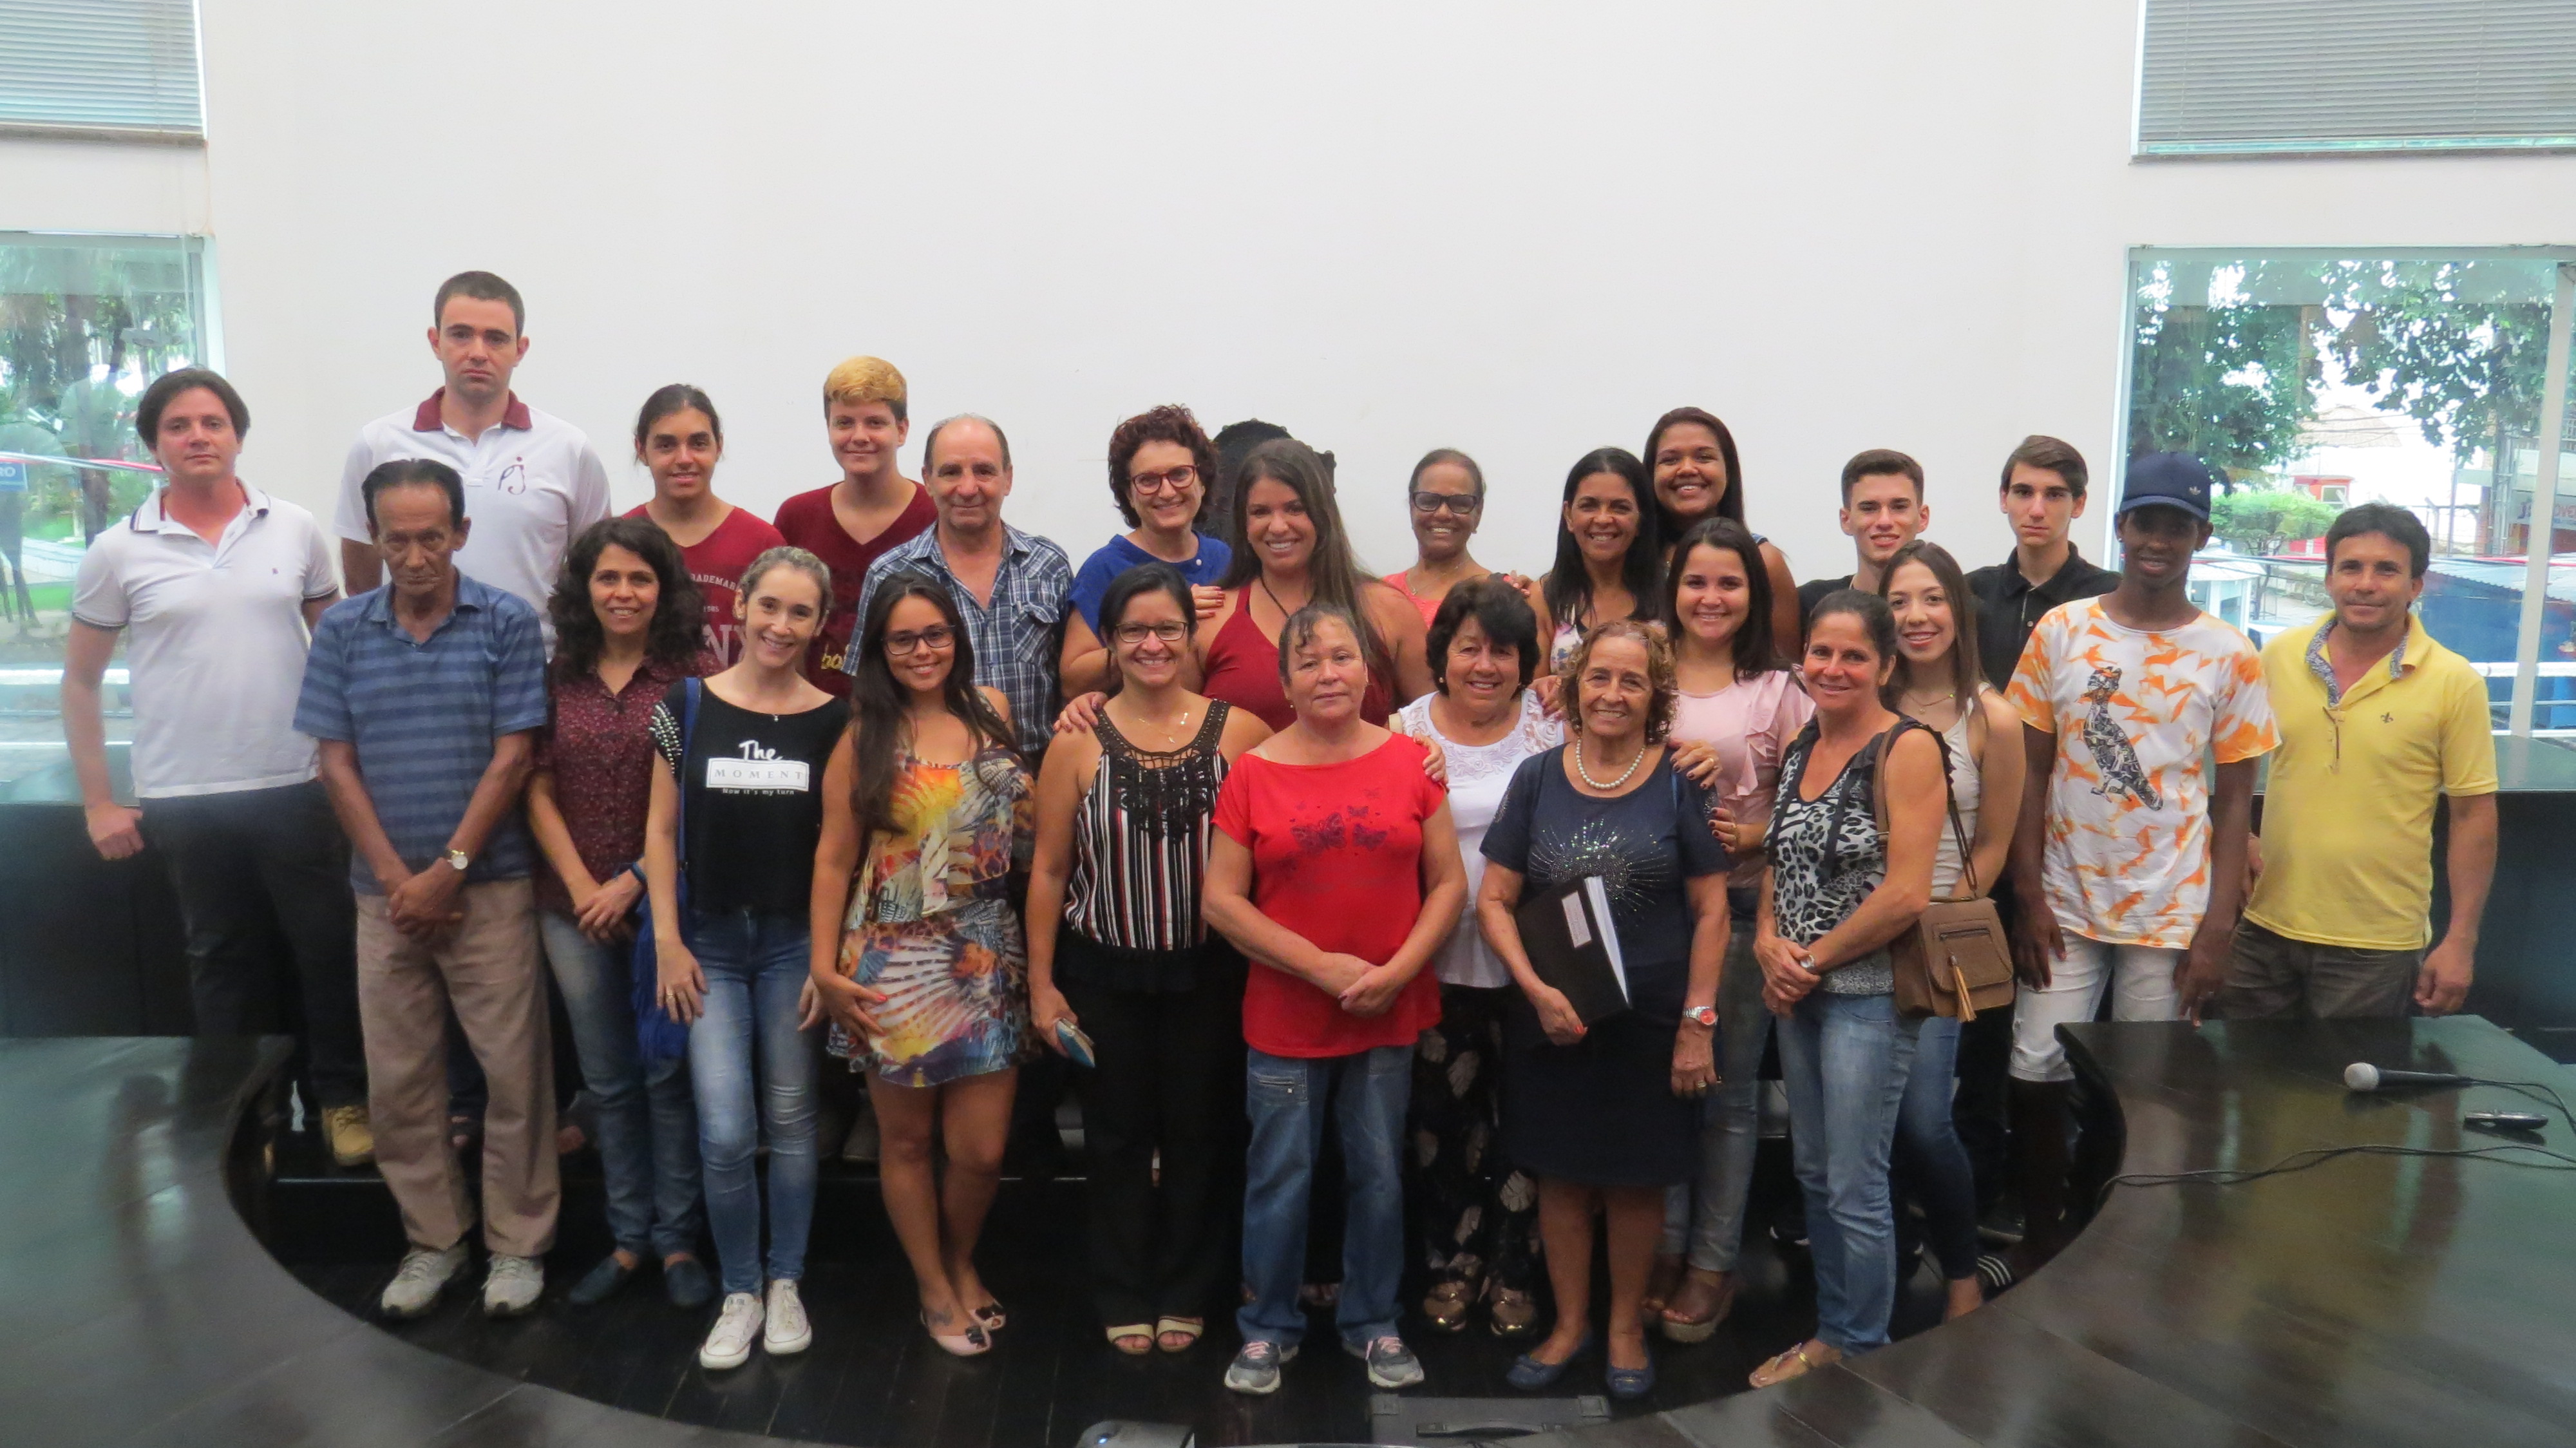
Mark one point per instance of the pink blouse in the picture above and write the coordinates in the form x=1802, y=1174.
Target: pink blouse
x=1750, y=724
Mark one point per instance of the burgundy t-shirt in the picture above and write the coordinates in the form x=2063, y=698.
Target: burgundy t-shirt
x=1337, y=858
x=717, y=562
x=599, y=747
x=806, y=521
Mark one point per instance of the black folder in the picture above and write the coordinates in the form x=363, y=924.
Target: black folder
x=1573, y=945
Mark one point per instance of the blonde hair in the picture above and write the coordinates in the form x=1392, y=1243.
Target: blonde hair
x=867, y=379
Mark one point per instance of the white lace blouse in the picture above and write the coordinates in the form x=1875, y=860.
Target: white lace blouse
x=1478, y=776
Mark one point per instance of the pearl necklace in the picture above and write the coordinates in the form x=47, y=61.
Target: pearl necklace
x=1614, y=784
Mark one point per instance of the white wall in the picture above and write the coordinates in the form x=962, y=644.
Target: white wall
x=1523, y=230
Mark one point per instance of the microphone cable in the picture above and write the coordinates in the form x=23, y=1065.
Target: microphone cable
x=2536, y=1090
x=2316, y=1156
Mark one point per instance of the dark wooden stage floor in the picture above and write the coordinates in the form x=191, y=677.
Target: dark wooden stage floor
x=2418, y=1293
x=872, y=1377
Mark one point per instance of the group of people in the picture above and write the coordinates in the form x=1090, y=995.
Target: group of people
x=1244, y=833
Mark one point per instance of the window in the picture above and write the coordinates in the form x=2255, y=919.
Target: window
x=85, y=323
x=2314, y=380
x=2236, y=77
x=100, y=67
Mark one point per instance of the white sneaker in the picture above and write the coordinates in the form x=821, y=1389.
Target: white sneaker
x=788, y=1331
x=728, y=1344
x=418, y=1281
x=513, y=1285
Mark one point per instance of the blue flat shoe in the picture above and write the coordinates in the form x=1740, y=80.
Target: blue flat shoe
x=1632, y=1382
x=601, y=1282
x=1529, y=1372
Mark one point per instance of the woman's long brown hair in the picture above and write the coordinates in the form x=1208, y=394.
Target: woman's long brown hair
x=878, y=726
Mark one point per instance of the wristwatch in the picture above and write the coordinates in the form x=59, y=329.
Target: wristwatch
x=1701, y=1016
x=457, y=860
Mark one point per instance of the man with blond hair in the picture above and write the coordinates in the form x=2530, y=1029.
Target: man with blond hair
x=873, y=508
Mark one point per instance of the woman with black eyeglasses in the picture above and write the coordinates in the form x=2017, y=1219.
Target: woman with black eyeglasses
x=1118, y=948
x=1446, y=498
x=1160, y=464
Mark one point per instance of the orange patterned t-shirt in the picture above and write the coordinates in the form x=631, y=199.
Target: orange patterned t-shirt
x=2127, y=856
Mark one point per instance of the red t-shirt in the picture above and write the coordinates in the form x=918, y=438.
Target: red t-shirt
x=718, y=562
x=806, y=520
x=1336, y=857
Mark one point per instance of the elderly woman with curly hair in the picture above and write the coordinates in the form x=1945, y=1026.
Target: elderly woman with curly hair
x=1606, y=1116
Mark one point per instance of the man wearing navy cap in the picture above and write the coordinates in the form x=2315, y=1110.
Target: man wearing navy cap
x=2129, y=867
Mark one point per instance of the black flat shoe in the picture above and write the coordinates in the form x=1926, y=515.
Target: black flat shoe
x=600, y=1283
x=686, y=1283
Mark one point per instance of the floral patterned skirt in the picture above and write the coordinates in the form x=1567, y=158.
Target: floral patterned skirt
x=958, y=994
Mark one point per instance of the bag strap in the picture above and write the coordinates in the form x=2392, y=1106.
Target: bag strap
x=1878, y=795
x=689, y=691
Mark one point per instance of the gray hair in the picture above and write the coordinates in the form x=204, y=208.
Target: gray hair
x=788, y=556
x=930, y=443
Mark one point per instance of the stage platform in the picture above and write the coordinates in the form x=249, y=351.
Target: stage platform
x=2370, y=1301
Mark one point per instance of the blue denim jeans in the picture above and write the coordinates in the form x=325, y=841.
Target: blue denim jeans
x=1844, y=1060
x=648, y=1123
x=755, y=967
x=1705, y=1219
x=1288, y=1099
x=1929, y=1157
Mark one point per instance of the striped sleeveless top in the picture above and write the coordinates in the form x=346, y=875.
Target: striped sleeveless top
x=1140, y=841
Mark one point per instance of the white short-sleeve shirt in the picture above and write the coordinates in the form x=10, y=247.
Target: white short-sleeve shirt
x=532, y=484
x=215, y=641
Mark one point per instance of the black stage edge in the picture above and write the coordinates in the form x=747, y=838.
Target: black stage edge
x=2371, y=1301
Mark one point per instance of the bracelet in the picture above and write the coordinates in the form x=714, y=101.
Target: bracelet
x=636, y=869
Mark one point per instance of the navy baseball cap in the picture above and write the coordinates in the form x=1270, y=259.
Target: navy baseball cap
x=2169, y=479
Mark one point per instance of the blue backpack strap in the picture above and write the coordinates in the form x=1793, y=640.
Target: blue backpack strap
x=657, y=1036
x=690, y=690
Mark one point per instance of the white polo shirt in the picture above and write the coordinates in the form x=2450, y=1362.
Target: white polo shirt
x=215, y=641
x=532, y=484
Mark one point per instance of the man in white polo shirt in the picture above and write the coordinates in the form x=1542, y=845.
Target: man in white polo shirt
x=532, y=481
x=214, y=585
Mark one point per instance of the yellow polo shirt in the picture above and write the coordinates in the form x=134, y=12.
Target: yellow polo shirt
x=2348, y=805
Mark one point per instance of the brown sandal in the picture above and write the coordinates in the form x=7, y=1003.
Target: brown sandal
x=1686, y=1327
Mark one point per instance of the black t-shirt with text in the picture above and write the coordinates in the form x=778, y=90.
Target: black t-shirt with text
x=752, y=784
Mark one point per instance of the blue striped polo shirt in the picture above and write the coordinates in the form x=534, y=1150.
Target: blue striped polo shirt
x=423, y=715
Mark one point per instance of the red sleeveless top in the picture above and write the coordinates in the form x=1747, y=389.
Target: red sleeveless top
x=1243, y=670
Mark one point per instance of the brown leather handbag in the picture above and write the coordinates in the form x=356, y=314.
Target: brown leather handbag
x=1954, y=960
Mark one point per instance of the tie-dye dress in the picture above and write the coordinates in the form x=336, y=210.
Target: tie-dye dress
x=931, y=924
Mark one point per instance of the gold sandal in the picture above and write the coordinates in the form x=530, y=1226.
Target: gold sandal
x=1514, y=1312
x=1449, y=1303
x=1185, y=1328
x=1785, y=1366
x=1141, y=1333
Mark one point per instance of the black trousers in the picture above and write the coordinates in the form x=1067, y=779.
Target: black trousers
x=1982, y=1110
x=250, y=868
x=1170, y=1078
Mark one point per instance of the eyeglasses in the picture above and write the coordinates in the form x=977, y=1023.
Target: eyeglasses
x=933, y=638
x=1132, y=634
x=1462, y=504
x=1172, y=480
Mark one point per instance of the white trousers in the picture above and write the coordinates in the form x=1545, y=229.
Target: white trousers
x=2145, y=992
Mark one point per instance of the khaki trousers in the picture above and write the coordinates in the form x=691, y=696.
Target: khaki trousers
x=488, y=970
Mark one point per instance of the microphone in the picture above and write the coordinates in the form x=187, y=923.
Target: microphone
x=2363, y=1076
